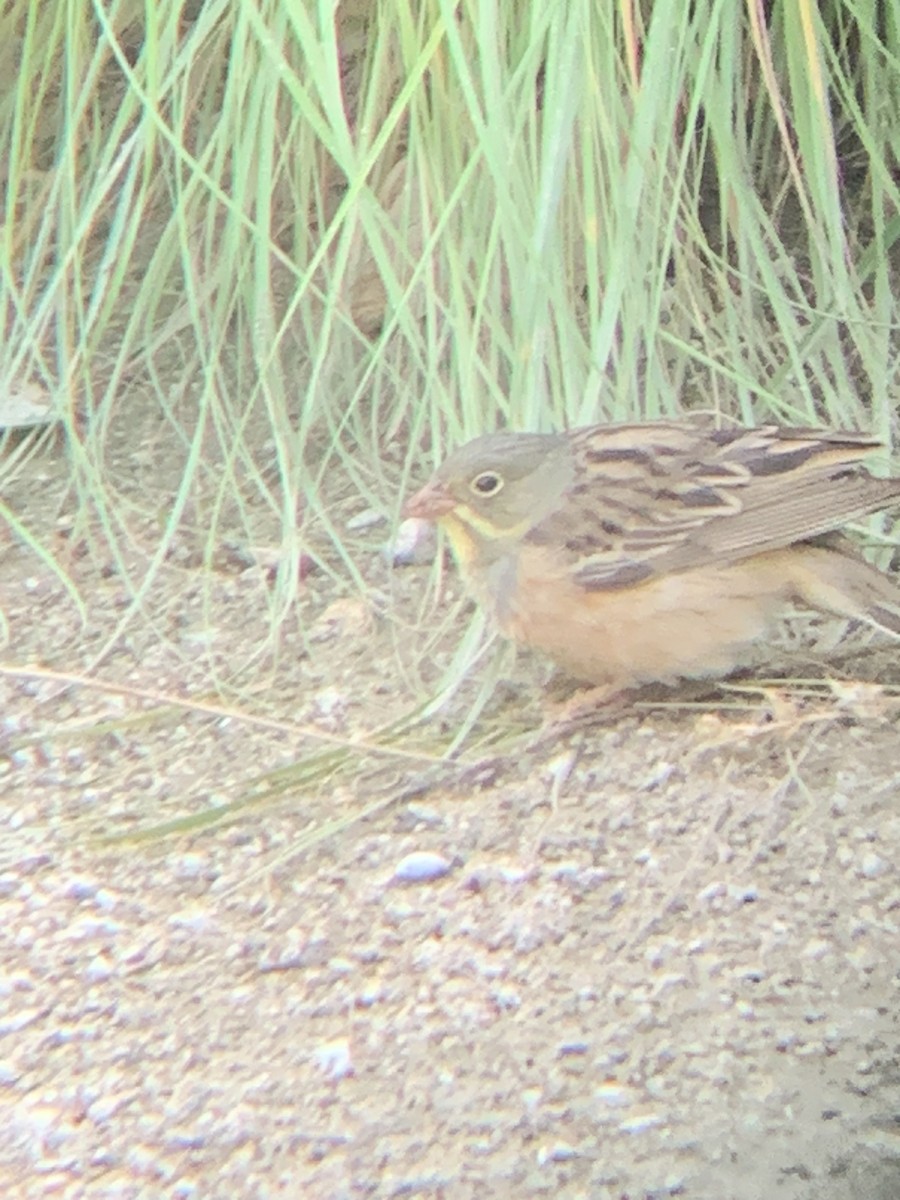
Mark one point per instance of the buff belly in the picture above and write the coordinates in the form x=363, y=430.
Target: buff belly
x=697, y=623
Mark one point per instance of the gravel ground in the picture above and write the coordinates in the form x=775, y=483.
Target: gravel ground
x=655, y=957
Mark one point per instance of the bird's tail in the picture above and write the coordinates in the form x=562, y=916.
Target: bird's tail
x=834, y=577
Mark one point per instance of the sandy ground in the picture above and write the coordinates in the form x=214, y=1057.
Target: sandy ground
x=655, y=957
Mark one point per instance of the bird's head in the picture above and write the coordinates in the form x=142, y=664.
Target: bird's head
x=497, y=486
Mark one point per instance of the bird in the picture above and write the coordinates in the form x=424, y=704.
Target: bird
x=656, y=551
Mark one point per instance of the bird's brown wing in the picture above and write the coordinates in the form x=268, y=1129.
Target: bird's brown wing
x=657, y=498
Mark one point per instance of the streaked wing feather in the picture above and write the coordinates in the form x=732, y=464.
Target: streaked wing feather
x=778, y=517
x=668, y=497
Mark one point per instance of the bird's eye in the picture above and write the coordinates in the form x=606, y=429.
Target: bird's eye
x=488, y=483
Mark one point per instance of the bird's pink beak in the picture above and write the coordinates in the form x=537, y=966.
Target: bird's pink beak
x=430, y=503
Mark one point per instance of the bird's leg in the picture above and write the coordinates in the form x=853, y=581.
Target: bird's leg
x=590, y=705
x=585, y=706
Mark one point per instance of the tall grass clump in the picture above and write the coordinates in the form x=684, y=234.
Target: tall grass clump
x=262, y=256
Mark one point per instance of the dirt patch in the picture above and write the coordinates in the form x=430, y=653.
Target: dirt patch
x=656, y=956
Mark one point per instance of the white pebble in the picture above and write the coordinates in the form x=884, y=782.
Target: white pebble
x=79, y=888
x=421, y=866
x=98, y=970
x=330, y=702
x=196, y=919
x=712, y=891
x=614, y=1095
x=414, y=543
x=817, y=949
x=641, y=1124
x=561, y=1152
x=334, y=1058
x=874, y=865
x=365, y=519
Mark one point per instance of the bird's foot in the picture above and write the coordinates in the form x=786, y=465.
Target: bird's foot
x=587, y=706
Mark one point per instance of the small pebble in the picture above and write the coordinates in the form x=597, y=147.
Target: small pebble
x=873, y=865
x=572, y=1049
x=81, y=889
x=614, y=1095
x=640, y=1124
x=8, y=1074
x=188, y=866
x=507, y=999
x=414, y=543
x=712, y=891
x=334, y=1058
x=425, y=813
x=365, y=519
x=817, y=949
x=752, y=972
x=561, y=1152
x=330, y=702
x=421, y=867
x=194, y=919
x=514, y=875
x=98, y=970
x=658, y=777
